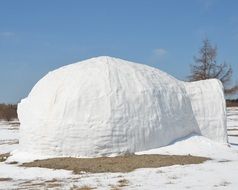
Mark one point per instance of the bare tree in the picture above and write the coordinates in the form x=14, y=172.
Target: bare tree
x=206, y=67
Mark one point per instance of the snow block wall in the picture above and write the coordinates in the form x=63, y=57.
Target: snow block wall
x=107, y=106
x=209, y=108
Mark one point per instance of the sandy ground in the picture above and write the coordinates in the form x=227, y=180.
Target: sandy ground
x=115, y=164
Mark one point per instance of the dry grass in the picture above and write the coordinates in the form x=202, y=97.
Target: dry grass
x=3, y=157
x=120, y=184
x=9, y=142
x=52, y=180
x=233, y=135
x=123, y=183
x=223, y=184
x=85, y=187
x=115, y=188
x=115, y=164
x=232, y=129
x=5, y=179
x=53, y=185
x=48, y=184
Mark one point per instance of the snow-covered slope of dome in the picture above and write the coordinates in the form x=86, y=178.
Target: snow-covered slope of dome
x=107, y=106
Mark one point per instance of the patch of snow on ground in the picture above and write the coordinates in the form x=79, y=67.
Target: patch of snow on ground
x=196, y=146
x=21, y=174
x=232, y=118
x=9, y=135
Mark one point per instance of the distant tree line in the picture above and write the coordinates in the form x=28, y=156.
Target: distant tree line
x=232, y=103
x=8, y=112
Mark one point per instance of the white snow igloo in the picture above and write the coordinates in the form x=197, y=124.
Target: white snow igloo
x=108, y=106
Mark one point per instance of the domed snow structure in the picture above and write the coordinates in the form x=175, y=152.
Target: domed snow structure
x=107, y=106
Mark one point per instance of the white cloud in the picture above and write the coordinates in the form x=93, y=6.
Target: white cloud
x=160, y=52
x=158, y=56
x=207, y=4
x=7, y=34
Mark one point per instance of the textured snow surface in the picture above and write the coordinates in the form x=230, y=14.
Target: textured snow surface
x=209, y=108
x=9, y=136
x=107, y=106
x=196, y=146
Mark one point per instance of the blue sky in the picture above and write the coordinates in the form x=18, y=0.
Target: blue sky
x=39, y=36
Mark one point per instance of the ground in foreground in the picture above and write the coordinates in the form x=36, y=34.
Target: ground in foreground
x=219, y=173
x=115, y=164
